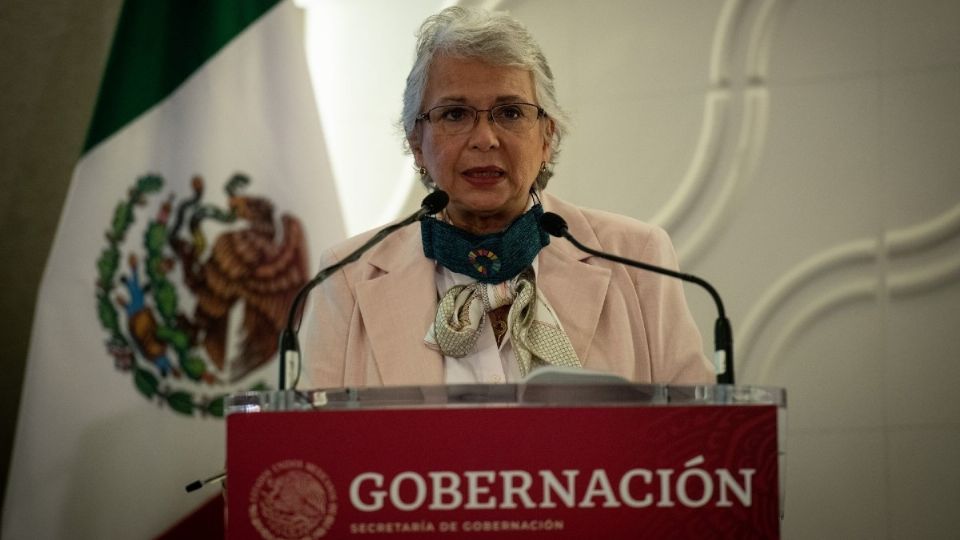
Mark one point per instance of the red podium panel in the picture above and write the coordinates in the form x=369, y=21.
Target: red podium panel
x=605, y=469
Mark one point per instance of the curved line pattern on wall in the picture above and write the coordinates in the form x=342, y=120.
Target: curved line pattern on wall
x=743, y=163
x=862, y=289
x=715, y=118
x=925, y=235
x=897, y=243
x=926, y=278
x=752, y=130
x=806, y=272
x=705, y=156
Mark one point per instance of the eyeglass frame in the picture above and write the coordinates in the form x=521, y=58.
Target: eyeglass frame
x=541, y=113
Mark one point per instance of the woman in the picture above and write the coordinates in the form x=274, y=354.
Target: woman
x=479, y=294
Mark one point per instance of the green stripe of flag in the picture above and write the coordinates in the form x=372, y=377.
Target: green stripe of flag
x=158, y=44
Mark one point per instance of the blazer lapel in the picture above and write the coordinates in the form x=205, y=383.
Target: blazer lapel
x=575, y=289
x=397, y=309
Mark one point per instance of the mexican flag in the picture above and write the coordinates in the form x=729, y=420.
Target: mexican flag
x=203, y=193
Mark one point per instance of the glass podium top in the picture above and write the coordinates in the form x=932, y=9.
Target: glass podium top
x=540, y=394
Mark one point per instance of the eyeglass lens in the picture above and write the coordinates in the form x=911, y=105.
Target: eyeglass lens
x=456, y=119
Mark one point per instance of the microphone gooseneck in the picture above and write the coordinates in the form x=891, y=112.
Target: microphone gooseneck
x=722, y=331
x=289, y=347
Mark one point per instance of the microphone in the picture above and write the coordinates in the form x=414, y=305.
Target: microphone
x=289, y=344
x=722, y=331
x=197, y=484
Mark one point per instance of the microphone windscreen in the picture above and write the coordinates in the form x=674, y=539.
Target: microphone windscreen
x=553, y=224
x=435, y=201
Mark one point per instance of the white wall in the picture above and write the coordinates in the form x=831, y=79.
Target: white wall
x=805, y=156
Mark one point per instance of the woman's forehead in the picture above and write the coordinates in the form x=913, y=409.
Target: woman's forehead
x=476, y=82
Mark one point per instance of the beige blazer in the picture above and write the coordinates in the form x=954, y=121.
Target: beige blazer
x=365, y=325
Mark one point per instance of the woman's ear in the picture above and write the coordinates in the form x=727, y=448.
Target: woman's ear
x=416, y=148
x=548, y=130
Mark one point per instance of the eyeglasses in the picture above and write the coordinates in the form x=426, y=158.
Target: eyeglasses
x=459, y=119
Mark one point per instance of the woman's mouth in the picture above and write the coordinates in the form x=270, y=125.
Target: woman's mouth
x=483, y=176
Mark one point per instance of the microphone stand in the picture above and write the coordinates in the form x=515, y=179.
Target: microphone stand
x=722, y=331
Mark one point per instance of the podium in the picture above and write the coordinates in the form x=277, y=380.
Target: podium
x=507, y=461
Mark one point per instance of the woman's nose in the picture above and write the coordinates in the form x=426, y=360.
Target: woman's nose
x=484, y=135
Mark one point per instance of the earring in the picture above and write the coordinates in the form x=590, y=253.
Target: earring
x=425, y=177
x=543, y=176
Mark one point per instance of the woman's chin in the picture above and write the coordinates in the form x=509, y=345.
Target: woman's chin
x=480, y=207
x=481, y=217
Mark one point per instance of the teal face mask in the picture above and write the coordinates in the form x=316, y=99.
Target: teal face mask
x=488, y=258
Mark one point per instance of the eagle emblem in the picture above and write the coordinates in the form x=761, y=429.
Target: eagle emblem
x=196, y=308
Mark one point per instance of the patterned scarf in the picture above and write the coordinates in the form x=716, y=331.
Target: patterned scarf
x=536, y=334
